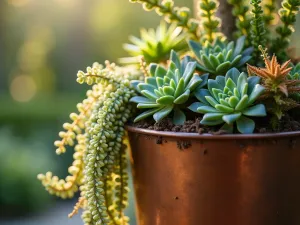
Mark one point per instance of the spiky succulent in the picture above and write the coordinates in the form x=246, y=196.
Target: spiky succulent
x=230, y=99
x=168, y=90
x=219, y=57
x=279, y=89
x=155, y=45
x=275, y=76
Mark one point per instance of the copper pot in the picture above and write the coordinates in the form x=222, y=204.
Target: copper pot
x=192, y=179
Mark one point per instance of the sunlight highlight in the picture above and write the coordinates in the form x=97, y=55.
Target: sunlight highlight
x=23, y=88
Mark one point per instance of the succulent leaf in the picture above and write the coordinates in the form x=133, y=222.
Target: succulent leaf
x=245, y=125
x=228, y=100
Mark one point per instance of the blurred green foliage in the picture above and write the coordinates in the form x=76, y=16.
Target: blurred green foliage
x=20, y=161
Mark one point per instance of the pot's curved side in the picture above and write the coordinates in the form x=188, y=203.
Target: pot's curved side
x=216, y=181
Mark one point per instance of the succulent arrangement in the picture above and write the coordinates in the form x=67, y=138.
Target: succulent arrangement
x=187, y=70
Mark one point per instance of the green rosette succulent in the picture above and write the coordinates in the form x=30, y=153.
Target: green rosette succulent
x=217, y=58
x=295, y=72
x=155, y=45
x=230, y=99
x=167, y=91
x=295, y=75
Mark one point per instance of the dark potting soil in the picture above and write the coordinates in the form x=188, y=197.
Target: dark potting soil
x=263, y=125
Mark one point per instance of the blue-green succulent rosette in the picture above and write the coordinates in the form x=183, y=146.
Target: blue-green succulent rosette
x=218, y=57
x=167, y=91
x=230, y=100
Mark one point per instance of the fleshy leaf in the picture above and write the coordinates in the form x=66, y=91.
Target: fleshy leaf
x=189, y=70
x=148, y=105
x=239, y=45
x=149, y=94
x=256, y=110
x=242, y=103
x=194, y=82
x=200, y=95
x=168, y=90
x=195, y=47
x=211, y=101
x=233, y=74
x=146, y=114
x=151, y=81
x=160, y=72
x=213, y=116
x=211, y=123
x=207, y=109
x=140, y=99
x=165, y=100
x=223, y=108
x=162, y=113
x=179, y=117
x=180, y=88
x=194, y=106
x=152, y=69
x=183, y=98
x=149, y=87
x=231, y=118
x=257, y=91
x=245, y=125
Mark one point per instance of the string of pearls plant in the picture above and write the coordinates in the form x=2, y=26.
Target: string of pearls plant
x=99, y=167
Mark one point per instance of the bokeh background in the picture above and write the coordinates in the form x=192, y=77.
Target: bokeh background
x=43, y=43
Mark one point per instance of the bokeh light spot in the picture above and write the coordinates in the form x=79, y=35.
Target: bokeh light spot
x=23, y=88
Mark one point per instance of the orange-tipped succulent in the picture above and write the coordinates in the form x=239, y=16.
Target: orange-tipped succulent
x=278, y=86
x=275, y=76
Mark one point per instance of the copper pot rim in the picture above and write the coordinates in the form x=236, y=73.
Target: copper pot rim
x=185, y=135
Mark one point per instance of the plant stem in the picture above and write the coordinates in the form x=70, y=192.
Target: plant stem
x=228, y=20
x=224, y=13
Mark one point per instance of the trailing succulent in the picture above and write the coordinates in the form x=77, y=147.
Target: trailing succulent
x=177, y=88
x=167, y=91
x=217, y=58
x=230, y=99
x=99, y=167
x=155, y=45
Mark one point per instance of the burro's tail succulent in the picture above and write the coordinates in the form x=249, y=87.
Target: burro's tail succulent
x=217, y=58
x=168, y=90
x=229, y=100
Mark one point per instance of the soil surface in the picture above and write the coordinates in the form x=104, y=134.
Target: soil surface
x=263, y=125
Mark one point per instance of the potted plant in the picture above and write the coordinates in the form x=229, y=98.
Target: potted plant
x=213, y=127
